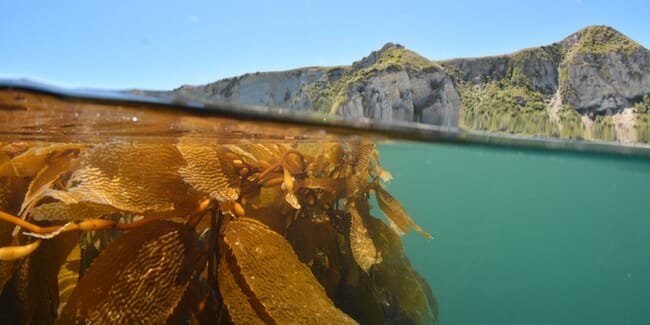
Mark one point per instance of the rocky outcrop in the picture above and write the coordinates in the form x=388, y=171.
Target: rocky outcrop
x=573, y=88
x=390, y=84
x=421, y=96
x=576, y=88
x=535, y=68
x=397, y=84
x=603, y=71
x=277, y=89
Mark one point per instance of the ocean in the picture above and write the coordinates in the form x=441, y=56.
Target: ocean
x=521, y=234
x=527, y=236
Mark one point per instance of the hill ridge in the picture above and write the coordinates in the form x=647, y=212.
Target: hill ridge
x=578, y=87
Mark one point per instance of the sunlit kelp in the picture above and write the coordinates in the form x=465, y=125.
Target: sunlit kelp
x=288, y=218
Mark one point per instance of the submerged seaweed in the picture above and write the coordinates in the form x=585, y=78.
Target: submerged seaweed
x=215, y=231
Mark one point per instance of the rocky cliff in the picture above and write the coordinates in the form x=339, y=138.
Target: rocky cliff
x=594, y=84
x=390, y=84
x=590, y=85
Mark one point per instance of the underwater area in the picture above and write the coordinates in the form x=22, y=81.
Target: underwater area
x=527, y=236
x=262, y=216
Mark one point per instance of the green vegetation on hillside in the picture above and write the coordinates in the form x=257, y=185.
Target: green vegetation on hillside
x=604, y=39
x=530, y=92
x=519, y=103
x=643, y=106
x=642, y=109
x=510, y=104
x=570, y=124
x=643, y=127
x=604, y=128
x=510, y=93
x=501, y=106
x=328, y=95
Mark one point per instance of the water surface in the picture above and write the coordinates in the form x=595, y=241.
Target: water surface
x=521, y=235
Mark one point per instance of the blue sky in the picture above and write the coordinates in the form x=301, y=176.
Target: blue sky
x=165, y=44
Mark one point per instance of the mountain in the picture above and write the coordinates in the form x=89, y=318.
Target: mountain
x=594, y=84
x=390, y=84
x=590, y=85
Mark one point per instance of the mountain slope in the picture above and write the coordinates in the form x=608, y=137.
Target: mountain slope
x=594, y=84
x=582, y=87
x=390, y=84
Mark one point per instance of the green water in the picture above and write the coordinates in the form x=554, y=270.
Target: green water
x=527, y=237
x=521, y=237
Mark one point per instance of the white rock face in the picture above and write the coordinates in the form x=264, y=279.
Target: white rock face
x=276, y=89
x=426, y=97
x=397, y=93
x=384, y=86
x=607, y=83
